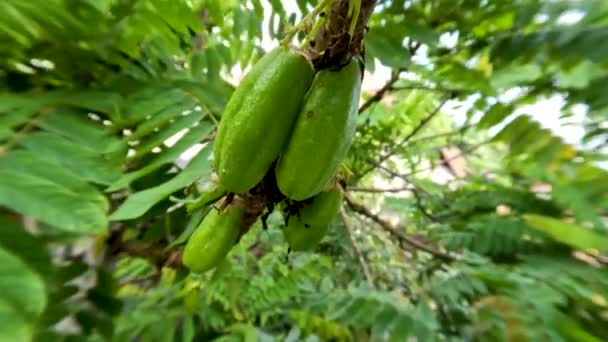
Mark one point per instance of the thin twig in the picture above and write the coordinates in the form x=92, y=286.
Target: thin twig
x=356, y=249
x=413, y=187
x=375, y=190
x=421, y=207
x=389, y=84
x=379, y=94
x=392, y=173
x=423, y=123
x=405, y=176
x=441, y=135
x=420, y=87
x=462, y=153
x=361, y=209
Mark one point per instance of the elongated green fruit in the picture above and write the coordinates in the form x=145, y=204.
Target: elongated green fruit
x=323, y=208
x=322, y=134
x=258, y=118
x=305, y=231
x=303, y=237
x=213, y=239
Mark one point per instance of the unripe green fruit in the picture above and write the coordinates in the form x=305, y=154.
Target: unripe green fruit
x=323, y=207
x=302, y=237
x=258, y=118
x=322, y=133
x=305, y=231
x=214, y=238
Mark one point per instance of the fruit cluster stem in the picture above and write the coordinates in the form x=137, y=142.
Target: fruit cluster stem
x=341, y=37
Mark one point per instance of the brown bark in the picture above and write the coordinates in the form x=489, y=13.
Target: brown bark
x=332, y=44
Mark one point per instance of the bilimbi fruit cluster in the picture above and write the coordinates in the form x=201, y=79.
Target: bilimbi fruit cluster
x=293, y=122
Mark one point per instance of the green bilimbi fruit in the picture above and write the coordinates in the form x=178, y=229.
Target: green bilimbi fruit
x=322, y=133
x=322, y=208
x=213, y=238
x=301, y=237
x=304, y=231
x=258, y=118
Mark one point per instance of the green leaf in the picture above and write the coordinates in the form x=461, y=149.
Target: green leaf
x=211, y=95
x=138, y=203
x=13, y=326
x=89, y=164
x=421, y=33
x=387, y=47
x=81, y=130
x=277, y=7
x=151, y=101
x=495, y=115
x=182, y=122
x=515, y=74
x=193, y=223
x=568, y=233
x=32, y=251
x=19, y=286
x=193, y=136
x=52, y=194
x=98, y=101
x=162, y=117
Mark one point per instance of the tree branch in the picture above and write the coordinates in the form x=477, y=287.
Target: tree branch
x=361, y=209
x=333, y=42
x=374, y=190
x=356, y=249
x=389, y=84
x=378, y=95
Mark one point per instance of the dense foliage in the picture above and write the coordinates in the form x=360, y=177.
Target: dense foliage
x=108, y=110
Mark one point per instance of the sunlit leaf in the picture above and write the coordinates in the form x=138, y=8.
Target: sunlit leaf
x=13, y=326
x=50, y=193
x=19, y=286
x=568, y=233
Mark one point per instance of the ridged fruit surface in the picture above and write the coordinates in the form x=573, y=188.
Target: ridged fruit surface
x=258, y=118
x=213, y=238
x=323, y=132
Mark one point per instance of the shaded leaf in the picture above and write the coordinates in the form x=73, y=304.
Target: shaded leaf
x=387, y=47
x=568, y=233
x=138, y=203
x=32, y=251
x=182, y=122
x=193, y=136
